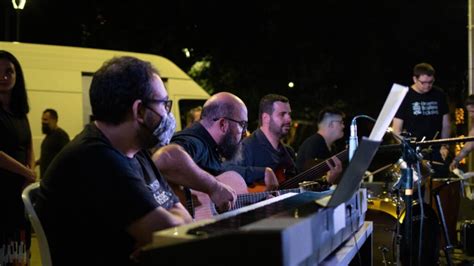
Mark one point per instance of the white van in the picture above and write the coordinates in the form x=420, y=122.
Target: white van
x=59, y=77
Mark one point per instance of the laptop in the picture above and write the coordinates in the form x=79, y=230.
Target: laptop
x=360, y=162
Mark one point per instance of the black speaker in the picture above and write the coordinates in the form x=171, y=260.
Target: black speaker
x=468, y=237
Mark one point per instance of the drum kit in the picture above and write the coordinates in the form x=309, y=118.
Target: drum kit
x=387, y=209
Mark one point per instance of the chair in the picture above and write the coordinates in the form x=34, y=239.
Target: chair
x=29, y=196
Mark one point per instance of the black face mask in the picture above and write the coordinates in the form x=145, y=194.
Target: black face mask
x=45, y=129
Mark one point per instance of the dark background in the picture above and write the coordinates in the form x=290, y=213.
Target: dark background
x=347, y=53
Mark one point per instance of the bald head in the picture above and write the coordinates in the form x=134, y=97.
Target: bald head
x=222, y=104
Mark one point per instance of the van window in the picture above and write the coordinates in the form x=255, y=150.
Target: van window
x=190, y=110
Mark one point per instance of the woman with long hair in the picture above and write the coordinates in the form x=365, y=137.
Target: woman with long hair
x=16, y=162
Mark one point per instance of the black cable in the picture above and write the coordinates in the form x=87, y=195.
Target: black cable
x=354, y=235
x=422, y=212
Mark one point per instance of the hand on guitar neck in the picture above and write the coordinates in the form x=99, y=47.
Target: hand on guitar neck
x=335, y=169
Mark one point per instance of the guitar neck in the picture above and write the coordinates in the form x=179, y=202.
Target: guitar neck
x=312, y=173
x=251, y=198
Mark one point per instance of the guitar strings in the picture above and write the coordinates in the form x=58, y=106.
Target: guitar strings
x=310, y=172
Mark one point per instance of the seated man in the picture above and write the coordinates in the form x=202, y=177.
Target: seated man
x=320, y=146
x=263, y=149
x=93, y=191
x=196, y=154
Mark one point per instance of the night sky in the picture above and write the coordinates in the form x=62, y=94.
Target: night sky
x=347, y=53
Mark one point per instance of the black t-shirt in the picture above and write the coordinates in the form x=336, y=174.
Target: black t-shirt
x=89, y=196
x=313, y=148
x=422, y=114
x=52, y=145
x=259, y=153
x=200, y=145
x=162, y=192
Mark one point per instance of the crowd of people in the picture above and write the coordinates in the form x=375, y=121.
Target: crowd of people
x=120, y=179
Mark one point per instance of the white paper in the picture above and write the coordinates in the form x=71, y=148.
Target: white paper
x=389, y=109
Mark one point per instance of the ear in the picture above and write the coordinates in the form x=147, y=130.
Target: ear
x=138, y=111
x=265, y=118
x=414, y=79
x=223, y=125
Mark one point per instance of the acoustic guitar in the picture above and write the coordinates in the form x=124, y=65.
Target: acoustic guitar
x=312, y=174
x=203, y=207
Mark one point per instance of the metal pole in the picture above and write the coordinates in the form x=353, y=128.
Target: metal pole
x=470, y=18
x=18, y=24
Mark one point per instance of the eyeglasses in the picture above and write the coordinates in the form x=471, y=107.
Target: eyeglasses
x=426, y=82
x=338, y=121
x=242, y=124
x=168, y=103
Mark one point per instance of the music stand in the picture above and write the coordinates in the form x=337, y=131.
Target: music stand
x=352, y=177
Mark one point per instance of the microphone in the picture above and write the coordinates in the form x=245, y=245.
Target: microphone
x=353, y=139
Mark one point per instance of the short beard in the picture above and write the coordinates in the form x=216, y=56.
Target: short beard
x=230, y=150
x=276, y=130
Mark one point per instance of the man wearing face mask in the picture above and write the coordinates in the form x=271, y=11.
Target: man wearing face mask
x=95, y=186
x=56, y=138
x=162, y=192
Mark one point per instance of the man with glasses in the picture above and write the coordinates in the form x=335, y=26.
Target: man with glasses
x=424, y=114
x=94, y=186
x=263, y=151
x=196, y=154
x=321, y=145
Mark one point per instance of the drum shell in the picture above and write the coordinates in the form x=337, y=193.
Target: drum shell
x=430, y=242
x=382, y=212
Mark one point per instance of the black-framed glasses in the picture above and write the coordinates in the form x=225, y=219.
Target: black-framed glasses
x=168, y=103
x=243, y=124
x=426, y=82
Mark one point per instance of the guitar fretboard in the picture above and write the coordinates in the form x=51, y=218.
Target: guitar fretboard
x=312, y=173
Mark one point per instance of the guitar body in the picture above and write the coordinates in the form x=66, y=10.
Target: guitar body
x=260, y=186
x=204, y=207
x=201, y=203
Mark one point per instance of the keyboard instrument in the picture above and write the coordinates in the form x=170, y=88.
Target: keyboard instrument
x=291, y=229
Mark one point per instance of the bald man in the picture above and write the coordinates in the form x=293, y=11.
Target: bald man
x=196, y=154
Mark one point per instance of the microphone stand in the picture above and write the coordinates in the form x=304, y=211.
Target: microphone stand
x=410, y=157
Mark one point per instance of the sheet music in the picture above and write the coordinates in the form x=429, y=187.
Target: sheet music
x=390, y=107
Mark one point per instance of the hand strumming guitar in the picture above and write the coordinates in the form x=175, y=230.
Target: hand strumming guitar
x=223, y=195
x=271, y=182
x=335, y=169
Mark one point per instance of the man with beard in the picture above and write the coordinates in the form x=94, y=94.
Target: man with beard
x=321, y=145
x=93, y=187
x=56, y=138
x=263, y=149
x=196, y=154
